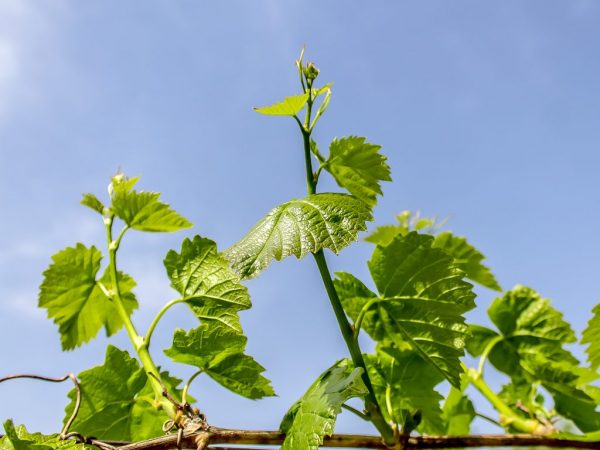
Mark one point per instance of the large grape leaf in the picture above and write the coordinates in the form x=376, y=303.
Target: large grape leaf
x=71, y=294
x=297, y=228
x=358, y=166
x=290, y=106
x=407, y=379
x=18, y=438
x=530, y=347
x=143, y=211
x=421, y=302
x=591, y=336
x=206, y=282
x=117, y=402
x=219, y=352
x=313, y=416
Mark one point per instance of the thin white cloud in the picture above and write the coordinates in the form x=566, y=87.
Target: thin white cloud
x=27, y=38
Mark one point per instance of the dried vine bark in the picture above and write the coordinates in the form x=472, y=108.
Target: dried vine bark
x=248, y=437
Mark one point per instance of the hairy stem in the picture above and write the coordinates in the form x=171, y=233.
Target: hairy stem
x=137, y=340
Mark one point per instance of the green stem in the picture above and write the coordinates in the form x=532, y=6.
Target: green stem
x=371, y=404
x=138, y=341
x=353, y=410
x=507, y=416
x=157, y=319
x=486, y=353
x=357, y=358
x=187, y=386
x=361, y=316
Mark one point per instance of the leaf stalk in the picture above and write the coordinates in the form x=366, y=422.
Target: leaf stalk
x=138, y=341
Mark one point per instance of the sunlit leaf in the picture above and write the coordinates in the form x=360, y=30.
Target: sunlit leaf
x=219, y=352
x=467, y=258
x=117, y=402
x=313, y=417
x=74, y=299
x=18, y=438
x=91, y=201
x=421, y=302
x=358, y=167
x=143, y=211
x=591, y=336
x=297, y=228
x=290, y=106
x=408, y=380
x=204, y=279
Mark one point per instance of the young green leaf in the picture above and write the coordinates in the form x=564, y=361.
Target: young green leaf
x=74, y=299
x=219, y=352
x=403, y=380
x=297, y=228
x=313, y=417
x=422, y=296
x=91, y=201
x=358, y=166
x=458, y=413
x=18, y=438
x=117, y=403
x=591, y=336
x=467, y=258
x=290, y=106
x=530, y=347
x=206, y=282
x=385, y=234
x=143, y=211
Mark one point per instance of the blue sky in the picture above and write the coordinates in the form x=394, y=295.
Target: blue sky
x=488, y=112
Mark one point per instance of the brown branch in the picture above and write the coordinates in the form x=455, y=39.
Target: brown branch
x=227, y=436
x=64, y=434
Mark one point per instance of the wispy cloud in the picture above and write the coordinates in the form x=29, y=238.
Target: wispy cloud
x=27, y=36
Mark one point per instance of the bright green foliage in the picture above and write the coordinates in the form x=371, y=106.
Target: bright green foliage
x=146, y=419
x=91, y=201
x=458, y=413
x=74, y=299
x=18, y=438
x=524, y=398
x=206, y=282
x=297, y=228
x=219, y=352
x=384, y=234
x=358, y=166
x=422, y=296
x=404, y=381
x=591, y=336
x=290, y=106
x=143, y=211
x=313, y=417
x=467, y=258
x=530, y=350
x=117, y=402
x=407, y=222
